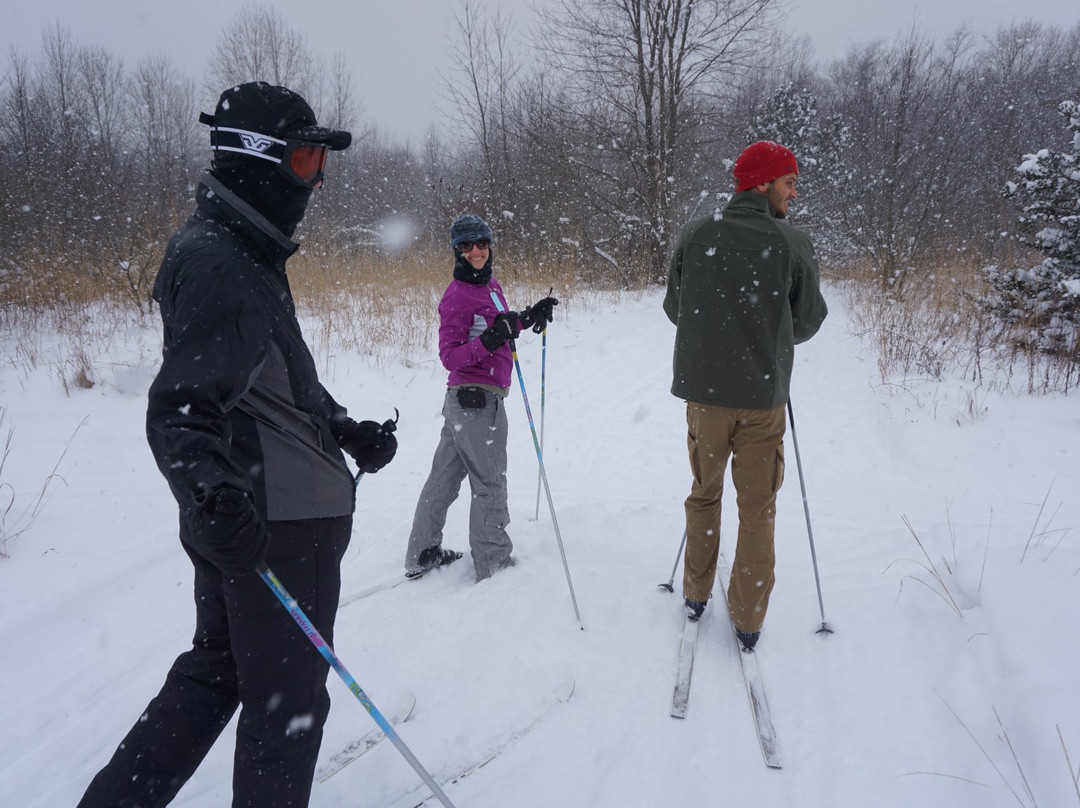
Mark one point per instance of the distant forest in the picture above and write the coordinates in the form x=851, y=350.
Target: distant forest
x=588, y=144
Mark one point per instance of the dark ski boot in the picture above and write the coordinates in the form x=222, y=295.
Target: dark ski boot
x=432, y=557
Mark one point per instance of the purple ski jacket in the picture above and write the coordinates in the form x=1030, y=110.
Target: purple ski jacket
x=465, y=311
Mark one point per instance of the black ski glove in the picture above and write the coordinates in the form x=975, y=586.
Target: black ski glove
x=229, y=533
x=505, y=328
x=538, y=315
x=370, y=444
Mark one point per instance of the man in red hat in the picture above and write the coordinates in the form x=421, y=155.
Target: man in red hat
x=251, y=444
x=743, y=290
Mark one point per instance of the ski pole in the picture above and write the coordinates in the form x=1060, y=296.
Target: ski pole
x=543, y=477
x=809, y=530
x=543, y=395
x=324, y=648
x=540, y=461
x=670, y=585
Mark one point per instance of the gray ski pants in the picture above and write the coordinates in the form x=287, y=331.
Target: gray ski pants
x=473, y=444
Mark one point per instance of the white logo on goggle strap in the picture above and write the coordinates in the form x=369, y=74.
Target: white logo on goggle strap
x=254, y=142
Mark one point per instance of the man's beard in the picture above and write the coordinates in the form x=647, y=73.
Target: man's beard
x=778, y=211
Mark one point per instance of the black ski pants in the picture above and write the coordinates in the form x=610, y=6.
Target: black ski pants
x=247, y=652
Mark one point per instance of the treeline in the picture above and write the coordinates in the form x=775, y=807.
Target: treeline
x=587, y=144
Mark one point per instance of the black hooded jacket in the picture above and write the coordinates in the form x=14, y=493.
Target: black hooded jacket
x=237, y=402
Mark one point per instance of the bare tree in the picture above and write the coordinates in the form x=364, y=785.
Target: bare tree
x=479, y=88
x=58, y=78
x=16, y=124
x=335, y=101
x=164, y=159
x=637, y=71
x=103, y=87
x=904, y=166
x=101, y=162
x=258, y=45
x=63, y=204
x=557, y=215
x=18, y=162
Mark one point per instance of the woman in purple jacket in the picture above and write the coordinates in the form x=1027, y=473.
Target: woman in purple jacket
x=475, y=330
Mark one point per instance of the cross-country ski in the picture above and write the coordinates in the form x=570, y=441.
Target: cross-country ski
x=385, y=586
x=680, y=699
x=397, y=581
x=363, y=745
x=755, y=685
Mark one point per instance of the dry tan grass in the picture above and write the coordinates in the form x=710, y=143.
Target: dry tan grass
x=930, y=323
x=67, y=314
x=927, y=325
x=386, y=307
x=63, y=320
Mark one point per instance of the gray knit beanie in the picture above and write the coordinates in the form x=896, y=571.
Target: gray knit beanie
x=469, y=227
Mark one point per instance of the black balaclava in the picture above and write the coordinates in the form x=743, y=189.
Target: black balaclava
x=464, y=271
x=251, y=127
x=266, y=189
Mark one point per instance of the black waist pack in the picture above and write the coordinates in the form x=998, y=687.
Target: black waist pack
x=471, y=398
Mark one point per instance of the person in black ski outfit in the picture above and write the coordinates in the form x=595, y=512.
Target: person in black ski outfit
x=250, y=443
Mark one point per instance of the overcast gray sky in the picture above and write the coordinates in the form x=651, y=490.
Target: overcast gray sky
x=396, y=47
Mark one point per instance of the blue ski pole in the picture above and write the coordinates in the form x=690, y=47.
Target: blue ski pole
x=324, y=648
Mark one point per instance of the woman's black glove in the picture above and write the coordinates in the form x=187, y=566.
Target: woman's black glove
x=505, y=328
x=538, y=315
x=371, y=445
x=229, y=533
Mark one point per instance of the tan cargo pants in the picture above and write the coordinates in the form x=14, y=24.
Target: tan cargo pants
x=754, y=440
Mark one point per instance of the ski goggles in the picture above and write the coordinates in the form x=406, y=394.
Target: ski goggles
x=300, y=161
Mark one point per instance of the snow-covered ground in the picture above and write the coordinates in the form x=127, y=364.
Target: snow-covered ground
x=950, y=679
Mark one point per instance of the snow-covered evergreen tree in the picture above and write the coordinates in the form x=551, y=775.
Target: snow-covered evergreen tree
x=790, y=117
x=1045, y=299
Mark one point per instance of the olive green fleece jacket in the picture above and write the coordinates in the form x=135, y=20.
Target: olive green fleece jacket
x=743, y=290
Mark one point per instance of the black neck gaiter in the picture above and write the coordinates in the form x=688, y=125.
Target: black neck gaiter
x=464, y=271
x=267, y=190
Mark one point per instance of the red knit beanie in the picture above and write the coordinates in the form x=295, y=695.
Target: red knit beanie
x=761, y=162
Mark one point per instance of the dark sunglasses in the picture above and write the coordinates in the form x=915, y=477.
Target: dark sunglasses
x=467, y=246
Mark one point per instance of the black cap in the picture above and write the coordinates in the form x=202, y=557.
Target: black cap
x=275, y=111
